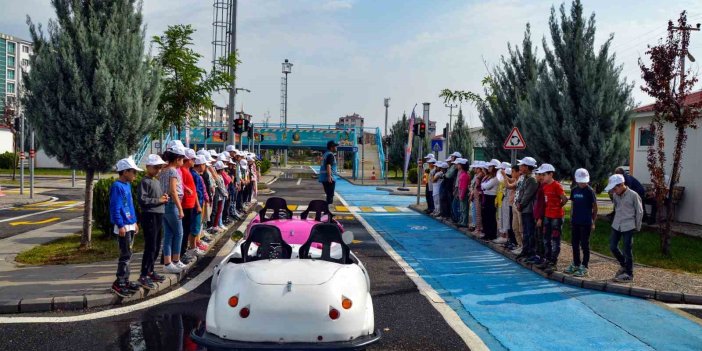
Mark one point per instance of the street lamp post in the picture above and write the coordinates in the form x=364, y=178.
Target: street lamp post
x=386, y=102
x=232, y=91
x=287, y=69
x=448, y=130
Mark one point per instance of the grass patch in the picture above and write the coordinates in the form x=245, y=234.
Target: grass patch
x=686, y=252
x=45, y=171
x=67, y=250
x=237, y=235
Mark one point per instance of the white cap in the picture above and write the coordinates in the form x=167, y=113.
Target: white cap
x=545, y=168
x=249, y=158
x=127, y=163
x=527, y=161
x=177, y=149
x=448, y=160
x=223, y=157
x=430, y=156
x=230, y=148
x=154, y=160
x=461, y=161
x=173, y=143
x=243, y=163
x=213, y=153
x=508, y=171
x=431, y=160
x=505, y=165
x=189, y=154
x=200, y=160
x=614, y=180
x=456, y=154
x=219, y=165
x=205, y=153
x=495, y=162
x=442, y=164
x=582, y=176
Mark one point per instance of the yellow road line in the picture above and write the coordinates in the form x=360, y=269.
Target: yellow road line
x=340, y=208
x=292, y=207
x=366, y=209
x=391, y=209
x=48, y=220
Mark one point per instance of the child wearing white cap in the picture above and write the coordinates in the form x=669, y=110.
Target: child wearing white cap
x=627, y=219
x=123, y=217
x=437, y=180
x=152, y=200
x=172, y=183
x=582, y=218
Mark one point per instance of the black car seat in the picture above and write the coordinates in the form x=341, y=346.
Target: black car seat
x=270, y=244
x=326, y=234
x=319, y=207
x=277, y=205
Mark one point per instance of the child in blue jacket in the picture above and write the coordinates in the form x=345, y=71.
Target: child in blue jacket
x=123, y=216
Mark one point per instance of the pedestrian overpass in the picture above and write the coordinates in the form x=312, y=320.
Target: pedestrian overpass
x=368, y=160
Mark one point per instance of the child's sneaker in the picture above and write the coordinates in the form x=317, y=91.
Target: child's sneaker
x=550, y=267
x=133, y=286
x=623, y=278
x=155, y=277
x=543, y=265
x=202, y=246
x=571, y=269
x=534, y=260
x=146, y=283
x=180, y=265
x=172, y=268
x=581, y=272
x=121, y=290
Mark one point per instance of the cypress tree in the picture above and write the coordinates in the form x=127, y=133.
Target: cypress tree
x=577, y=113
x=92, y=93
x=460, y=139
x=399, y=132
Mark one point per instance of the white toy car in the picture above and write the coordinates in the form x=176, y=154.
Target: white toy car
x=296, y=286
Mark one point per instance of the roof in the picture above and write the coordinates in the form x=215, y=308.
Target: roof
x=693, y=98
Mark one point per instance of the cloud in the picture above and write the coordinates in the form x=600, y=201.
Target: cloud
x=336, y=5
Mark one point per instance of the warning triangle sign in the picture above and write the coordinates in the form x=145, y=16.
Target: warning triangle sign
x=514, y=140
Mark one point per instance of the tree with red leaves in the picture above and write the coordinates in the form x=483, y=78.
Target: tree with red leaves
x=667, y=81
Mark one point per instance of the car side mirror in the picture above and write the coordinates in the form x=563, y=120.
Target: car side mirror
x=347, y=237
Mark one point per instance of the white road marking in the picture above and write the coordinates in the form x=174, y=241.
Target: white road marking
x=301, y=208
x=42, y=212
x=379, y=209
x=188, y=287
x=405, y=209
x=685, y=306
x=450, y=316
x=351, y=208
x=52, y=199
x=299, y=180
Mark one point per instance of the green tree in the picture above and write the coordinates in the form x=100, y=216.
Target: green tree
x=577, y=113
x=504, y=89
x=92, y=93
x=398, y=139
x=460, y=139
x=670, y=84
x=187, y=88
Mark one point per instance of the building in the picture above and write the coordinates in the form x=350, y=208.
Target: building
x=14, y=58
x=350, y=121
x=642, y=138
x=476, y=135
x=431, y=129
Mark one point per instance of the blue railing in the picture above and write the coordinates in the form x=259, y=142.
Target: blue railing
x=356, y=155
x=381, y=153
x=143, y=146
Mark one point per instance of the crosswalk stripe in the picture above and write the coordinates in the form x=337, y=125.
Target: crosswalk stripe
x=354, y=209
x=379, y=209
x=340, y=208
x=366, y=209
x=405, y=209
x=301, y=207
x=292, y=207
x=391, y=209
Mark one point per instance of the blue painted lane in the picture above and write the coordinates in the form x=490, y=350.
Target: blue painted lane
x=512, y=308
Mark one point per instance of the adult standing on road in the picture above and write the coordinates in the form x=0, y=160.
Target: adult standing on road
x=327, y=171
x=488, y=185
x=526, y=194
x=429, y=168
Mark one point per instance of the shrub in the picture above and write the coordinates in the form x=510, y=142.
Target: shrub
x=101, y=203
x=264, y=165
x=8, y=160
x=412, y=175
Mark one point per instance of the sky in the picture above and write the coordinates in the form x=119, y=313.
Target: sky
x=348, y=55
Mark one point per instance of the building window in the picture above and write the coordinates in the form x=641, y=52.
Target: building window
x=10, y=88
x=25, y=49
x=11, y=74
x=646, y=137
x=10, y=48
x=25, y=62
x=10, y=61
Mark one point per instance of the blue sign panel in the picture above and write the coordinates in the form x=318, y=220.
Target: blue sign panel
x=282, y=138
x=437, y=145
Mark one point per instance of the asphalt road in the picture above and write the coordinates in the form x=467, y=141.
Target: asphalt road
x=407, y=319
x=20, y=219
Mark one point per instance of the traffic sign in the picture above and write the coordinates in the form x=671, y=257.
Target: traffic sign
x=437, y=145
x=348, y=148
x=514, y=141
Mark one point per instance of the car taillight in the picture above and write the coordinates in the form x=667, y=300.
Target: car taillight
x=233, y=301
x=334, y=314
x=346, y=303
x=244, y=313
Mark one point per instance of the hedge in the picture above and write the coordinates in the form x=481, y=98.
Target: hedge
x=101, y=202
x=8, y=160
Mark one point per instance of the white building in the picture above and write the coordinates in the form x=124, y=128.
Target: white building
x=350, y=121
x=478, y=139
x=641, y=138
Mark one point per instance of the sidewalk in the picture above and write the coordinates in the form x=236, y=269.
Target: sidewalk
x=13, y=198
x=649, y=282
x=25, y=288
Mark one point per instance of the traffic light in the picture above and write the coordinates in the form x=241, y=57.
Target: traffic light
x=260, y=136
x=250, y=131
x=224, y=136
x=239, y=126
x=246, y=125
x=445, y=133
x=17, y=124
x=422, y=130
x=207, y=133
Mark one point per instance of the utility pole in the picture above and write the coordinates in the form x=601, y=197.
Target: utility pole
x=386, y=102
x=232, y=90
x=287, y=69
x=448, y=130
x=22, y=123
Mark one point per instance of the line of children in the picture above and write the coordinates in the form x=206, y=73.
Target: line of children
x=178, y=199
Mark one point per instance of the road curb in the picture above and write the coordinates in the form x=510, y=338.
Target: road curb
x=608, y=286
x=83, y=301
